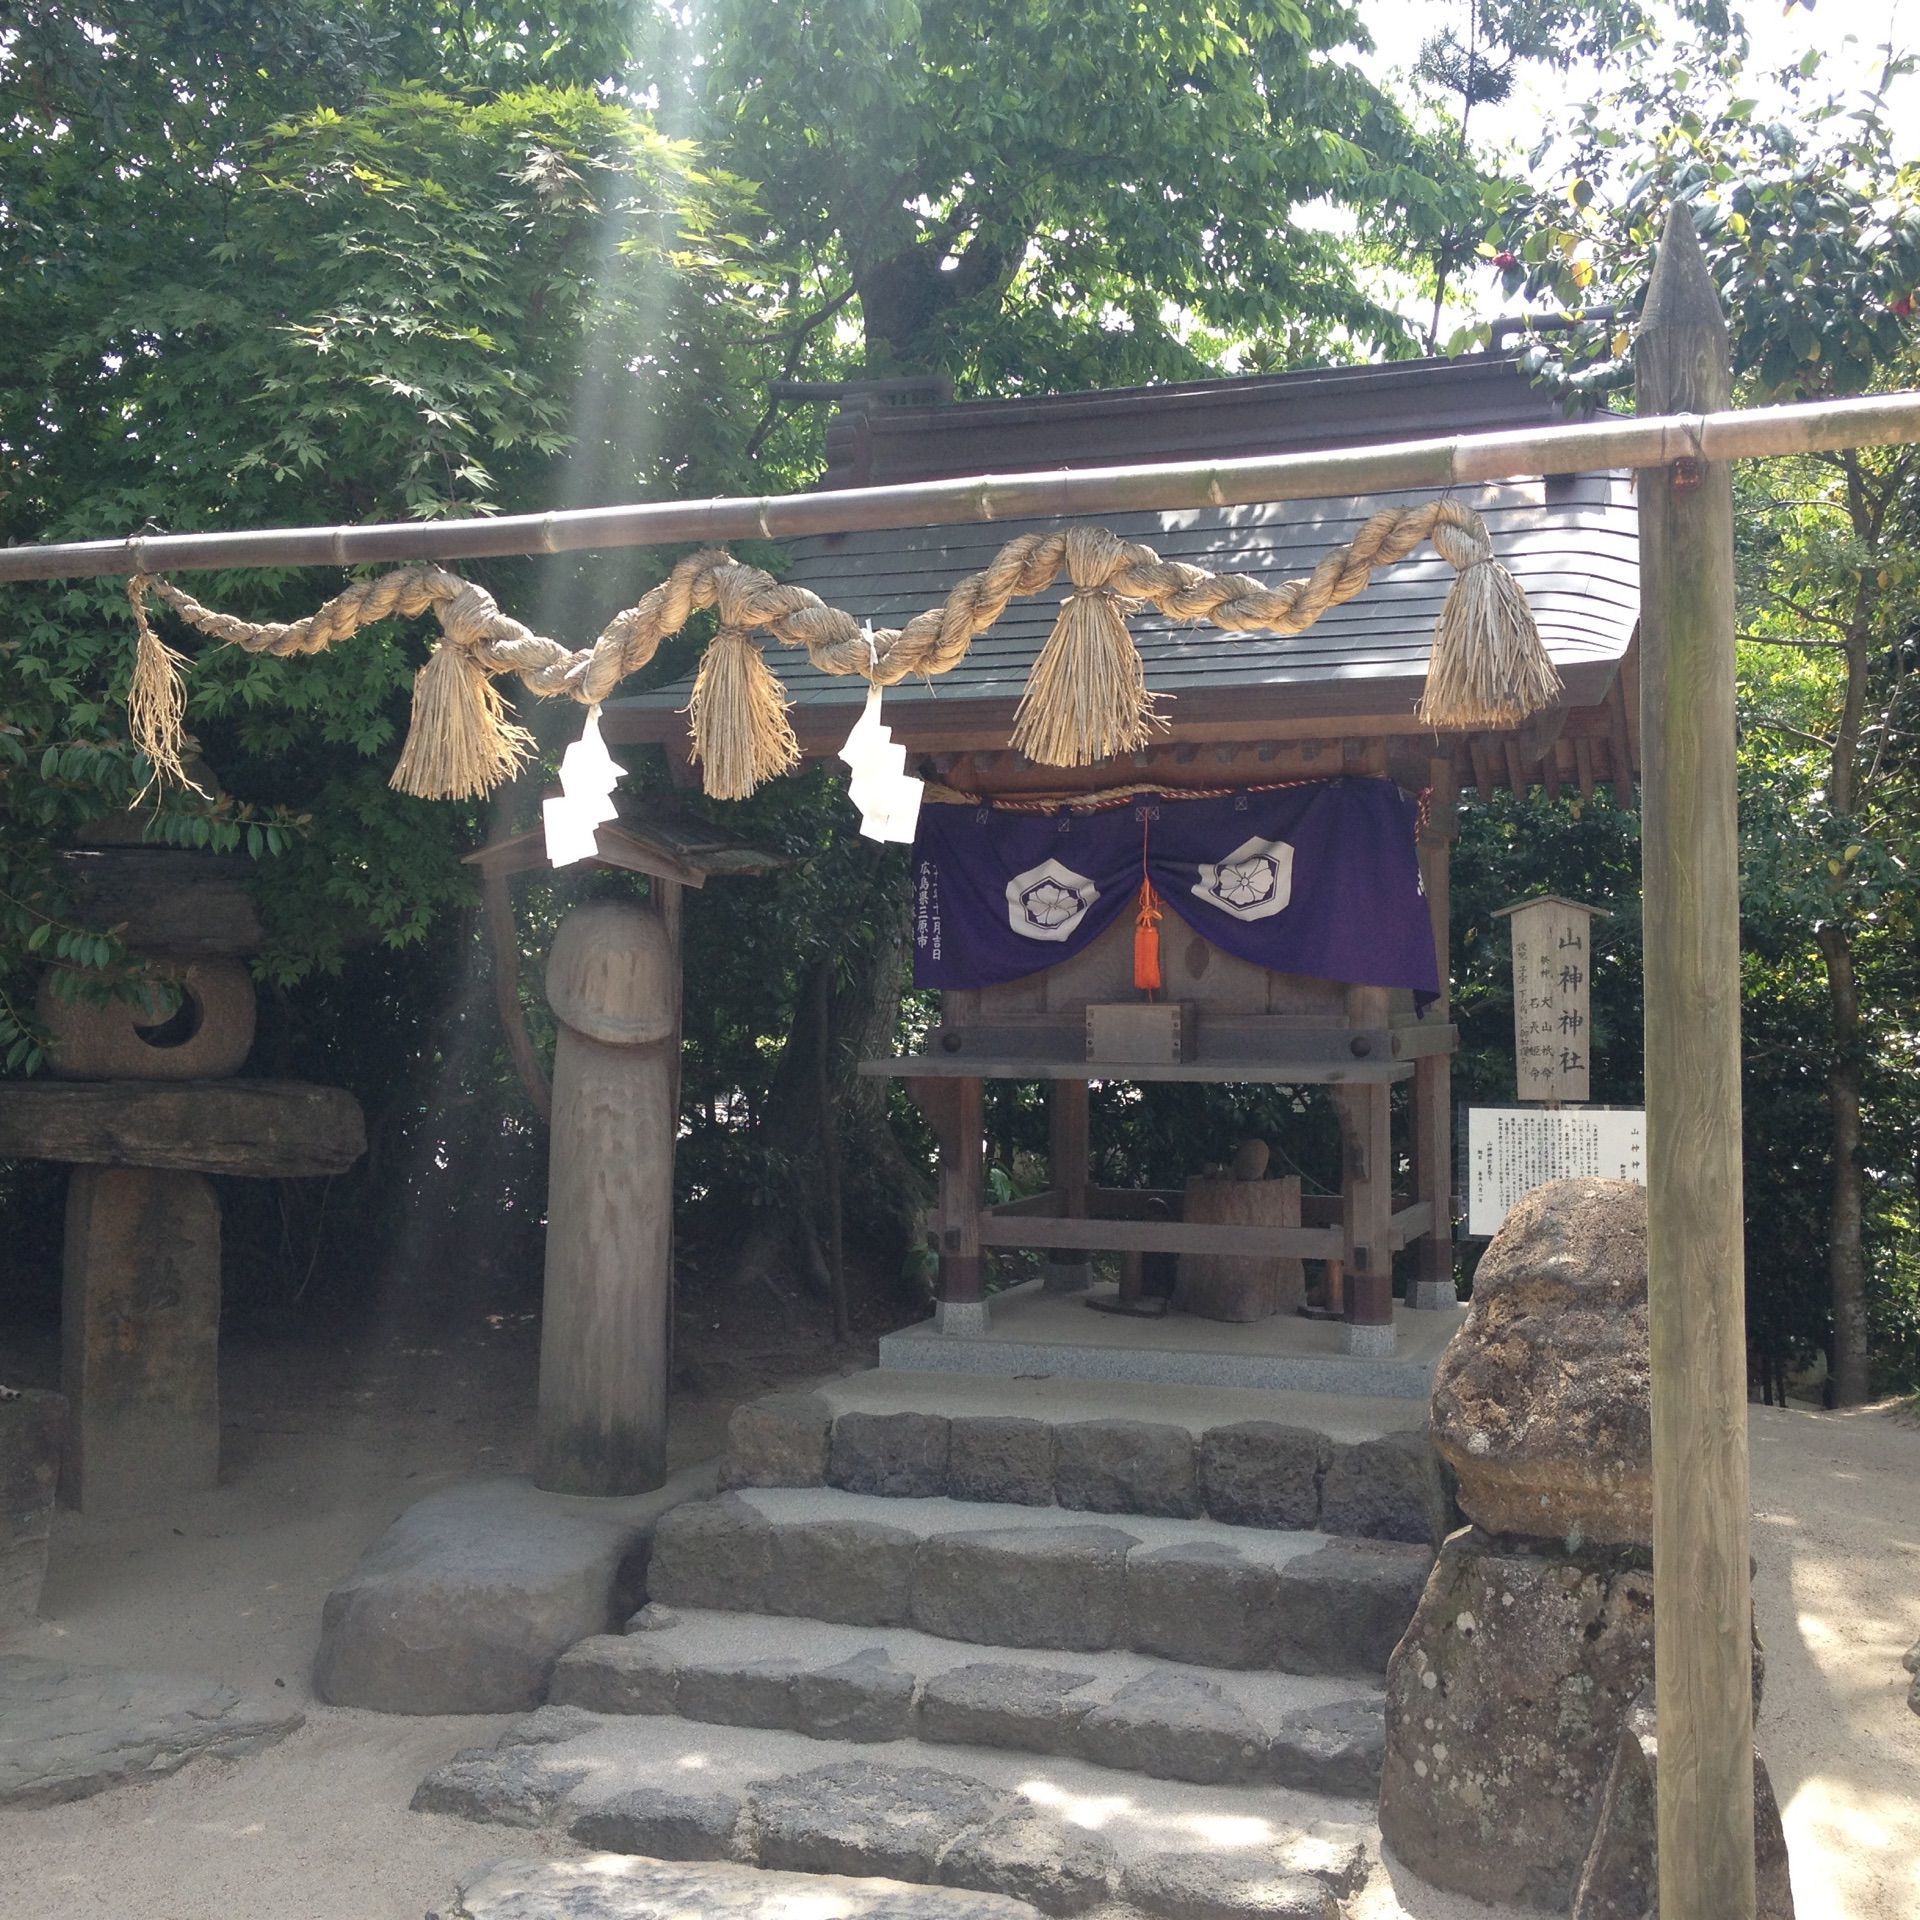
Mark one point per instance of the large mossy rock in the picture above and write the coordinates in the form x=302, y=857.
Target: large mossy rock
x=1505, y=1703
x=1621, y=1880
x=1542, y=1402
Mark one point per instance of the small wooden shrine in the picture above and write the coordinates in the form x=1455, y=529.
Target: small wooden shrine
x=1254, y=721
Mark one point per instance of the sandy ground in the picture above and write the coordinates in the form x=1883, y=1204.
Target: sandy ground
x=324, y=1448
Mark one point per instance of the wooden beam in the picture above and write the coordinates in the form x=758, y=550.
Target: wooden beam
x=1611, y=441
x=262, y=1129
x=1696, y=1290
x=1165, y=1236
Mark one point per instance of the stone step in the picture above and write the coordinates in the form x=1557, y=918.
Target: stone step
x=1248, y=1459
x=676, y=1889
x=1195, y=1591
x=876, y=1684
x=1061, y=1838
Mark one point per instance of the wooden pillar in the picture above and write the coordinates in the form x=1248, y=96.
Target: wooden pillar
x=1695, y=1259
x=962, y=1306
x=602, y=1424
x=1366, y=1205
x=1431, y=1282
x=1067, y=1268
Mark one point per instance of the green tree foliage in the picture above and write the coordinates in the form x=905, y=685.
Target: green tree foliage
x=1039, y=195
x=1810, y=216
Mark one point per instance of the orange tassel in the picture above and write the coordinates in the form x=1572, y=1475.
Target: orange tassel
x=1146, y=940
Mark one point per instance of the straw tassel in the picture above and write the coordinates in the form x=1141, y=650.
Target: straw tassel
x=1087, y=698
x=157, y=697
x=460, y=744
x=1489, y=666
x=741, y=735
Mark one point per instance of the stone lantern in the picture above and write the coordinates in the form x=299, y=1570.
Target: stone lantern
x=145, y=1101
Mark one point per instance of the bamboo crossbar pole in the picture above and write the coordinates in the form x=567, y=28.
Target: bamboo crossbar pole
x=1462, y=459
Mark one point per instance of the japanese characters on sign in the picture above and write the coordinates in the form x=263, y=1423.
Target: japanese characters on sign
x=1552, y=997
x=1512, y=1150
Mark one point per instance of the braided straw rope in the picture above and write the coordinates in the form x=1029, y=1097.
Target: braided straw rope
x=460, y=743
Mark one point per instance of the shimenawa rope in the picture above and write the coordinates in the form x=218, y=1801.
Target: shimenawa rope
x=1087, y=698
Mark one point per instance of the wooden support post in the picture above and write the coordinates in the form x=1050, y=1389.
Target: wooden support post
x=1703, y=1607
x=1067, y=1269
x=962, y=1307
x=1366, y=1208
x=1431, y=1283
x=602, y=1425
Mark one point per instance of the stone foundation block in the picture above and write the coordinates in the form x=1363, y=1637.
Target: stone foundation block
x=716, y=1553
x=863, y=1698
x=1024, y=1586
x=1051, y=1864
x=996, y=1704
x=663, y=1824
x=1006, y=1459
x=1204, y=1604
x=902, y=1455
x=780, y=1441
x=859, y=1572
x=1259, y=1473
x=1125, y=1466
x=861, y=1817
x=1392, y=1488
x=1343, y=1607
x=1176, y=1727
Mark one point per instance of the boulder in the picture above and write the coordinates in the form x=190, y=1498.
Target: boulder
x=33, y=1424
x=1259, y=1473
x=779, y=1441
x=1621, y=1879
x=902, y=1455
x=1125, y=1466
x=464, y=1604
x=1505, y=1703
x=1001, y=1457
x=1541, y=1401
x=69, y=1731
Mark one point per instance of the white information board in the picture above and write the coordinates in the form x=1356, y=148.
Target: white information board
x=1512, y=1150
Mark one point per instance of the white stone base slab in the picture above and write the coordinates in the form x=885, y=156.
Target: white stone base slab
x=1370, y=1343
x=1030, y=1332
x=1432, y=1296
x=960, y=1319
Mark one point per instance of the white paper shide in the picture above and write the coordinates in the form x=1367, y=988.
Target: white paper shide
x=886, y=794
x=588, y=776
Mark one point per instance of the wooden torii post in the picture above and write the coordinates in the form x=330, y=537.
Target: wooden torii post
x=614, y=979
x=1696, y=1225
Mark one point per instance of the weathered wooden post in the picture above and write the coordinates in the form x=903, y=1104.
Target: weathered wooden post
x=612, y=980
x=1695, y=1259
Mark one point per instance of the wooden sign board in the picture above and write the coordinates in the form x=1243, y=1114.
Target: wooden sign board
x=1512, y=1150
x=1552, y=996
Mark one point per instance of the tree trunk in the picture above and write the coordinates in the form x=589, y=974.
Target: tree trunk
x=1846, y=1256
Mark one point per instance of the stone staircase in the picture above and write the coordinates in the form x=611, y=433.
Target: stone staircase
x=990, y=1641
